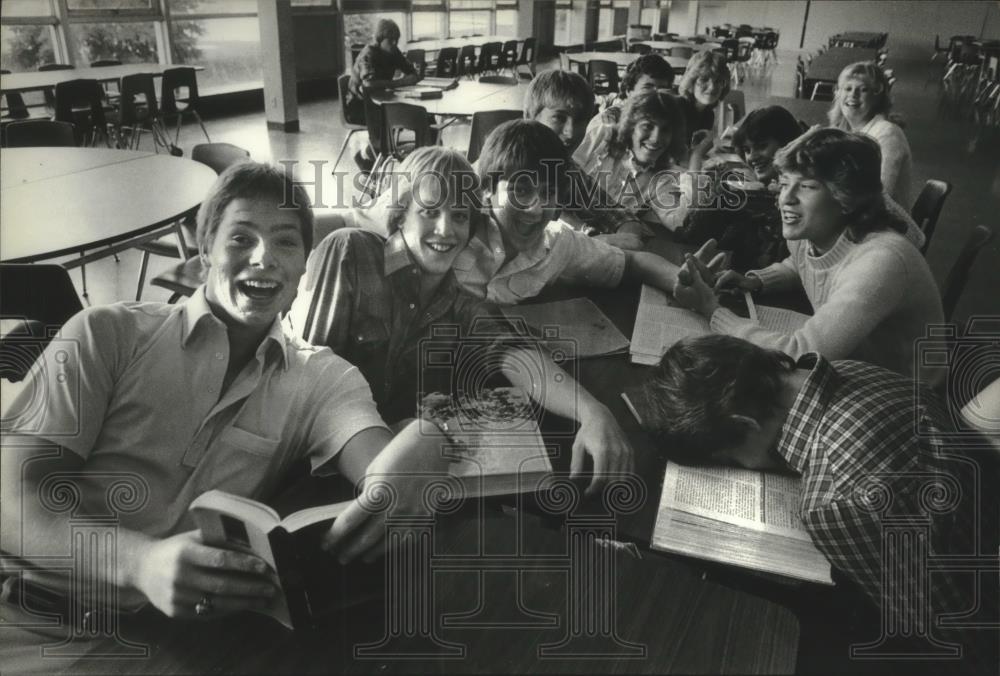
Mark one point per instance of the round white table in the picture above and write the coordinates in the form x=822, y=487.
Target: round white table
x=61, y=201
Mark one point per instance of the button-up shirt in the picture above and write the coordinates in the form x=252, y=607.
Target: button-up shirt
x=361, y=297
x=873, y=458
x=565, y=255
x=137, y=389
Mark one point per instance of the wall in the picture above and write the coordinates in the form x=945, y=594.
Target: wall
x=684, y=17
x=911, y=24
x=318, y=43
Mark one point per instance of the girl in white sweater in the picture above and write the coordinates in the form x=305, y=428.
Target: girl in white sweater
x=870, y=288
x=861, y=105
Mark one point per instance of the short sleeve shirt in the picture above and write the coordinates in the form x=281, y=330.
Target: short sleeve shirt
x=565, y=255
x=136, y=389
x=373, y=63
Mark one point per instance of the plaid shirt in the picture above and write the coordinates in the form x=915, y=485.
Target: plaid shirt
x=360, y=297
x=853, y=435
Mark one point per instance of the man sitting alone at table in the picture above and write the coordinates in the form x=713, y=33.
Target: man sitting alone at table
x=208, y=394
x=871, y=451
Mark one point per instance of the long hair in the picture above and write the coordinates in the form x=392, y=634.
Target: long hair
x=869, y=71
x=849, y=165
x=707, y=63
x=661, y=108
x=765, y=124
x=653, y=65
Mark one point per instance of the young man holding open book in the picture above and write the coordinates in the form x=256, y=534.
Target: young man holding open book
x=176, y=400
x=872, y=451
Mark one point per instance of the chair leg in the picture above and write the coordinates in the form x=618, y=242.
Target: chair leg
x=343, y=147
x=142, y=275
x=83, y=277
x=202, y=125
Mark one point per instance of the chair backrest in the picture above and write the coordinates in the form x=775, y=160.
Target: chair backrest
x=681, y=52
x=81, y=103
x=104, y=63
x=508, y=55
x=418, y=58
x=731, y=48
x=954, y=284
x=44, y=298
x=347, y=115
x=38, y=133
x=737, y=100
x=927, y=208
x=400, y=116
x=447, y=62
x=15, y=106
x=698, y=40
x=219, y=156
x=603, y=76
x=489, y=56
x=134, y=109
x=745, y=49
x=484, y=122
x=467, y=60
x=639, y=48
x=498, y=79
x=174, y=79
x=528, y=52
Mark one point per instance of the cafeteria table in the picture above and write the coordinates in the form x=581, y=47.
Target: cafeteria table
x=32, y=81
x=623, y=59
x=467, y=98
x=810, y=112
x=826, y=67
x=477, y=42
x=856, y=39
x=661, y=45
x=61, y=201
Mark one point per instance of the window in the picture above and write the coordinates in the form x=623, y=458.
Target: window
x=462, y=24
x=26, y=47
x=612, y=18
x=428, y=24
x=213, y=6
x=228, y=48
x=133, y=42
x=108, y=5
x=564, y=22
x=359, y=29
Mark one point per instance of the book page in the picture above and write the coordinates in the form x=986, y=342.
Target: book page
x=780, y=319
x=579, y=321
x=658, y=325
x=747, y=498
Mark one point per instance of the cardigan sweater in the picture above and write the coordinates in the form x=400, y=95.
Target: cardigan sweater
x=872, y=300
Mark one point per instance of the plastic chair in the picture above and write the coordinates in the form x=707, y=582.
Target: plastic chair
x=187, y=275
x=49, y=93
x=39, y=133
x=528, y=58
x=484, y=122
x=603, y=77
x=175, y=79
x=447, y=63
x=43, y=297
x=954, y=284
x=927, y=208
x=467, y=61
x=490, y=57
x=81, y=103
x=348, y=121
x=14, y=103
x=418, y=58
x=823, y=91
x=138, y=112
x=508, y=57
x=737, y=101
x=639, y=48
x=401, y=117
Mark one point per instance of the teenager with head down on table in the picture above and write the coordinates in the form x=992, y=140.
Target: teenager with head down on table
x=870, y=288
x=373, y=298
x=208, y=394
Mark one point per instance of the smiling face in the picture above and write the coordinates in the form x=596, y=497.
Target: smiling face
x=760, y=156
x=649, y=141
x=857, y=99
x=523, y=207
x=809, y=211
x=648, y=83
x=707, y=91
x=435, y=230
x=254, y=263
x=568, y=128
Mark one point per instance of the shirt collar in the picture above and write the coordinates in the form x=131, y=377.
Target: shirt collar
x=397, y=254
x=807, y=411
x=198, y=315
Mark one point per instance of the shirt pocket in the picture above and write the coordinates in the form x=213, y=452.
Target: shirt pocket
x=524, y=286
x=243, y=463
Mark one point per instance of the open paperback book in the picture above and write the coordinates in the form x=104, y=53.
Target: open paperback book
x=739, y=517
x=311, y=581
x=659, y=323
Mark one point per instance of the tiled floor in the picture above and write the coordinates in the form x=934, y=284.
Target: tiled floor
x=941, y=146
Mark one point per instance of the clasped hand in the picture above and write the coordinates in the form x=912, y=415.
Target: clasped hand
x=704, y=275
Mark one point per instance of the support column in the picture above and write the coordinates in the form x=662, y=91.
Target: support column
x=277, y=51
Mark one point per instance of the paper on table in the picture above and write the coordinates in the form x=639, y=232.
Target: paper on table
x=658, y=325
x=578, y=320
